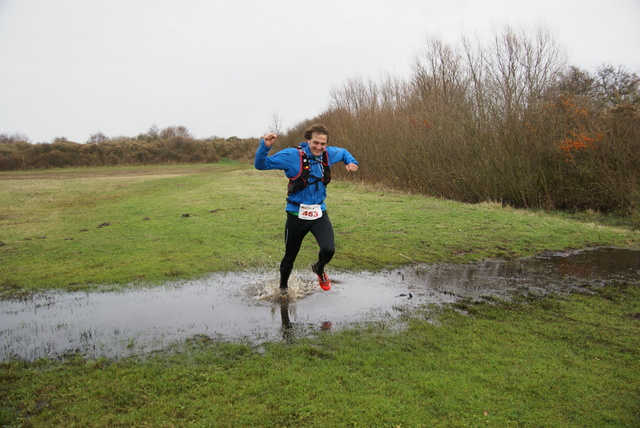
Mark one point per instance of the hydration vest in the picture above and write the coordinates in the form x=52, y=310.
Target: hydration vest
x=302, y=180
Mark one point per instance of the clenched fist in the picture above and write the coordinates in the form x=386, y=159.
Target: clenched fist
x=270, y=139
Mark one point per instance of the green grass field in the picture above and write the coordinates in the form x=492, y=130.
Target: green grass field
x=82, y=228
x=545, y=362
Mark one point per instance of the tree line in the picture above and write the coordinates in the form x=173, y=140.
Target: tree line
x=173, y=144
x=499, y=120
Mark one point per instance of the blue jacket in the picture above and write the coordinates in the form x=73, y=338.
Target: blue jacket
x=288, y=160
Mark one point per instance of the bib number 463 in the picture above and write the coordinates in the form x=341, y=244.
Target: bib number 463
x=310, y=212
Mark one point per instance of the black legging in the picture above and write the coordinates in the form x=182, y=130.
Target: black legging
x=294, y=232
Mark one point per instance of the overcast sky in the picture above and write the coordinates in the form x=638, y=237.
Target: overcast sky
x=72, y=68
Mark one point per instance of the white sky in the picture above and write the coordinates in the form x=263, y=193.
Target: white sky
x=72, y=68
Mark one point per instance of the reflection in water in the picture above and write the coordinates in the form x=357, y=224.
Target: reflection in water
x=287, y=327
x=243, y=306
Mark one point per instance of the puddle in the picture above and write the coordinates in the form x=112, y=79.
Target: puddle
x=242, y=306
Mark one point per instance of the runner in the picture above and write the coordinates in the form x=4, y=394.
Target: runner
x=308, y=168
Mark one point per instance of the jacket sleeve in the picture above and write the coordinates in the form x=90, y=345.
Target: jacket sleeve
x=338, y=154
x=281, y=160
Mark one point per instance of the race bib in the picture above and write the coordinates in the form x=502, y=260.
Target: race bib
x=310, y=212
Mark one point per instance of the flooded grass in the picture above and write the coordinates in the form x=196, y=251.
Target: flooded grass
x=244, y=307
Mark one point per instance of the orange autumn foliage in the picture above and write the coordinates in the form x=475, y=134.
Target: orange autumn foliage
x=577, y=141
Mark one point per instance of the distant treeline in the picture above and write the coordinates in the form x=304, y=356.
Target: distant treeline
x=503, y=121
x=173, y=144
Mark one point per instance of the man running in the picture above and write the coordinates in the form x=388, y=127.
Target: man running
x=308, y=169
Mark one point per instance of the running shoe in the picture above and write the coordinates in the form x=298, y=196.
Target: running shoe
x=323, y=279
x=282, y=296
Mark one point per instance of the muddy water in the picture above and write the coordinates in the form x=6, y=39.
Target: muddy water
x=244, y=306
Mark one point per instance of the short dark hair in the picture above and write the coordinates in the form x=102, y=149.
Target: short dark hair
x=319, y=128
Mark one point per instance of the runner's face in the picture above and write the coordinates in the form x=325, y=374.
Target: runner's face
x=317, y=143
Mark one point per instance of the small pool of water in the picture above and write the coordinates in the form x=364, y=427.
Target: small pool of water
x=244, y=306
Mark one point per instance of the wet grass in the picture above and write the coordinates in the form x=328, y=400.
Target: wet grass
x=556, y=361
x=83, y=228
x=552, y=361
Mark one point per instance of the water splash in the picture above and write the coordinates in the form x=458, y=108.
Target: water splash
x=268, y=289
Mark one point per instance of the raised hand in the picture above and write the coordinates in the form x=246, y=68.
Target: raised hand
x=270, y=139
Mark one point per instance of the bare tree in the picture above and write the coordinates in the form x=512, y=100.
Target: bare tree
x=98, y=137
x=276, y=124
x=14, y=138
x=616, y=87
